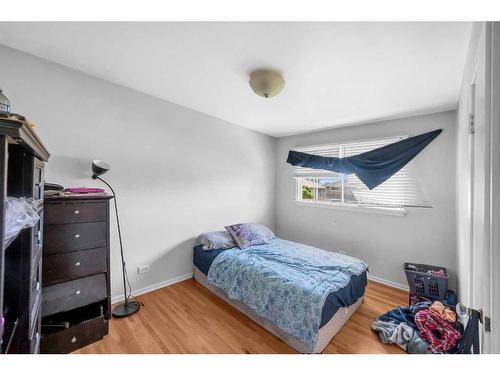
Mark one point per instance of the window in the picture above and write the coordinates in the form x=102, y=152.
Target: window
x=329, y=188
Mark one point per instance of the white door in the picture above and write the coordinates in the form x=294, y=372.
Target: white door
x=480, y=192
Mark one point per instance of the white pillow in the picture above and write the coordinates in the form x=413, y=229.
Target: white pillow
x=216, y=240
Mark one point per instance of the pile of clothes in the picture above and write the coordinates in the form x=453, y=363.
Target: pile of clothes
x=426, y=327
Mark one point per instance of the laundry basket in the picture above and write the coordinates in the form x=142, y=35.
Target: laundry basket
x=423, y=283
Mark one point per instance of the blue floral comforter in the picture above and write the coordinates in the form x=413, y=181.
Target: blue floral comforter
x=285, y=282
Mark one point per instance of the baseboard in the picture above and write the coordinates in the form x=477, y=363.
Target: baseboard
x=156, y=286
x=388, y=283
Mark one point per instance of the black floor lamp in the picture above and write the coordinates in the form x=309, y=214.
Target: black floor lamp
x=128, y=307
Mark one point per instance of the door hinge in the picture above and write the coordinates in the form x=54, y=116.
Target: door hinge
x=472, y=123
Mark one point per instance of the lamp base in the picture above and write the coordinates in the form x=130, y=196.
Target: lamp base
x=126, y=309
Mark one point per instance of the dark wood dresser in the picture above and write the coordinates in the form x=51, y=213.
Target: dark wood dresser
x=21, y=175
x=76, y=303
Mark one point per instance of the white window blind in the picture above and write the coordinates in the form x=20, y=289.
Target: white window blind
x=313, y=185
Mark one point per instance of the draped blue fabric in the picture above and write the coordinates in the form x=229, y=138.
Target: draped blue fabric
x=372, y=167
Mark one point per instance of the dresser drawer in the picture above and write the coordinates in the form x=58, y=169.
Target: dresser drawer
x=73, y=294
x=74, y=265
x=68, y=213
x=74, y=338
x=72, y=237
x=67, y=332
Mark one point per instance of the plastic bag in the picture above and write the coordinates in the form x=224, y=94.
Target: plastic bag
x=20, y=213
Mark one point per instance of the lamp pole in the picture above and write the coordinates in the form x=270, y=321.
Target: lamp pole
x=119, y=236
x=126, y=308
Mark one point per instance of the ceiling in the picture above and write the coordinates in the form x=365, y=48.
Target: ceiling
x=336, y=73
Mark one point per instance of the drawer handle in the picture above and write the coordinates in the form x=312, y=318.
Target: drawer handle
x=77, y=292
x=76, y=212
x=73, y=339
x=77, y=235
x=77, y=264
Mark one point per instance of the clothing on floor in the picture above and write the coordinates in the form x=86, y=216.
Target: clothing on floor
x=394, y=328
x=443, y=311
x=401, y=334
x=400, y=315
x=405, y=314
x=437, y=332
x=385, y=329
x=416, y=345
x=431, y=333
x=419, y=306
x=470, y=342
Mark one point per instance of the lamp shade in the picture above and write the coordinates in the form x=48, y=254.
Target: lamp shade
x=98, y=168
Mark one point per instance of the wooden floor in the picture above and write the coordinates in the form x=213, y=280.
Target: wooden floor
x=187, y=318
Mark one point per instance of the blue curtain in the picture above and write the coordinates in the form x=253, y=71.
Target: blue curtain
x=372, y=167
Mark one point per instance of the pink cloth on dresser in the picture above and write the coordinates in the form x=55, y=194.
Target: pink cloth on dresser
x=83, y=190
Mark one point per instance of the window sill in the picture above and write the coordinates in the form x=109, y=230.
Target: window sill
x=355, y=208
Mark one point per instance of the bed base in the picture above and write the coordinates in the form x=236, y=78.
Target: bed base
x=326, y=333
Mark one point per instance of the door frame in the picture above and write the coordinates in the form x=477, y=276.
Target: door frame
x=494, y=46
x=486, y=260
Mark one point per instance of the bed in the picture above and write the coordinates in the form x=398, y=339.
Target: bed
x=252, y=266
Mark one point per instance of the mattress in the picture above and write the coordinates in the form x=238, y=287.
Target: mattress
x=342, y=298
x=326, y=333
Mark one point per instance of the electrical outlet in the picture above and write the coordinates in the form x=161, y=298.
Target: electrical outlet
x=143, y=269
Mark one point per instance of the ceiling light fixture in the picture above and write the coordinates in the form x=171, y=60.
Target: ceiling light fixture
x=266, y=83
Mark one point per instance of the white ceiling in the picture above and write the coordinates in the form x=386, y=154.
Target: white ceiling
x=336, y=73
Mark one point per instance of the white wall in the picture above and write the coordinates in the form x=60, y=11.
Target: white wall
x=177, y=172
x=384, y=242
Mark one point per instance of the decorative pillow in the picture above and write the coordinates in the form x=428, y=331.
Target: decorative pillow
x=216, y=240
x=244, y=235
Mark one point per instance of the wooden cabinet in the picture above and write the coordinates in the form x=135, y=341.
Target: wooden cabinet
x=22, y=157
x=76, y=298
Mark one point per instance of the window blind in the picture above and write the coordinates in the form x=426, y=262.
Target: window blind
x=401, y=190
